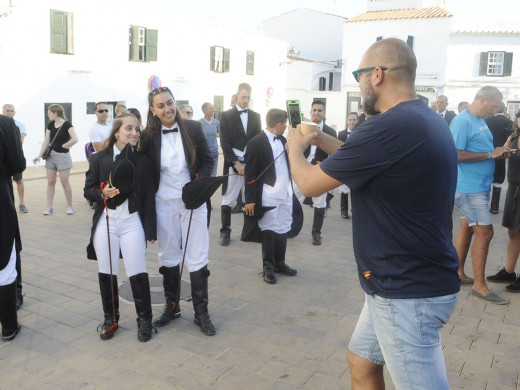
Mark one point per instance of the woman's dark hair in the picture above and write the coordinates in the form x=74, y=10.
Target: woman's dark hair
x=154, y=125
x=135, y=112
x=118, y=122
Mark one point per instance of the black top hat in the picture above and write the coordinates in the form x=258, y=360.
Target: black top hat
x=122, y=173
x=197, y=192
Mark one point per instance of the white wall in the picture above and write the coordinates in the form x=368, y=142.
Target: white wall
x=315, y=34
x=99, y=69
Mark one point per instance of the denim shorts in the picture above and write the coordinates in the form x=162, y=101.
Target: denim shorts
x=405, y=335
x=474, y=207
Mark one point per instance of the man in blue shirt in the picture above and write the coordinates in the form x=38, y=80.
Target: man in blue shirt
x=476, y=154
x=401, y=169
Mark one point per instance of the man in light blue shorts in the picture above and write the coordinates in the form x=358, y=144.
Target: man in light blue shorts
x=401, y=169
x=476, y=154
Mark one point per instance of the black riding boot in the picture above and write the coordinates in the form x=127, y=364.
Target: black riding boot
x=109, y=326
x=8, y=316
x=280, y=245
x=268, y=256
x=19, y=295
x=172, y=309
x=344, y=206
x=495, y=200
x=319, y=215
x=143, y=305
x=225, y=231
x=199, y=294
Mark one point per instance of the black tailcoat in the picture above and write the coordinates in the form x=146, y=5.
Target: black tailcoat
x=233, y=135
x=12, y=161
x=140, y=199
x=259, y=157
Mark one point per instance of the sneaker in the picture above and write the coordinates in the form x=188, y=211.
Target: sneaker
x=23, y=209
x=502, y=276
x=70, y=211
x=48, y=211
x=514, y=287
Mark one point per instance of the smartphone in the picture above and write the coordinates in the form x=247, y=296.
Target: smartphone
x=294, y=112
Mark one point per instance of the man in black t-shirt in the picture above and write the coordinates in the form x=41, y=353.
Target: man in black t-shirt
x=401, y=167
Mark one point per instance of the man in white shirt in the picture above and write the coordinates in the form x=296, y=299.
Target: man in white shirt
x=101, y=129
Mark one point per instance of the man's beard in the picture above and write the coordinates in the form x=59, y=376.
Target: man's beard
x=369, y=100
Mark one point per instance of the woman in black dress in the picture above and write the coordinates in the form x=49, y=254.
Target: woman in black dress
x=511, y=218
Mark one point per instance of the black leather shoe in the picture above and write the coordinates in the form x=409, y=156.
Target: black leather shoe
x=316, y=239
x=171, y=312
x=284, y=269
x=269, y=277
x=224, y=238
x=344, y=214
x=205, y=324
x=10, y=335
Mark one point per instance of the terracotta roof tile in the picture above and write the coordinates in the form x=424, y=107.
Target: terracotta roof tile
x=410, y=13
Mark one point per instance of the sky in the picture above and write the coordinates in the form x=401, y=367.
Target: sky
x=250, y=14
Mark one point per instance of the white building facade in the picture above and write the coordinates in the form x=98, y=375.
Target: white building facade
x=61, y=51
x=455, y=56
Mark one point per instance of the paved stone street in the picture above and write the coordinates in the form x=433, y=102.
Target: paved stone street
x=292, y=335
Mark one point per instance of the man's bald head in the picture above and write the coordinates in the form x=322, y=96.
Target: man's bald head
x=397, y=56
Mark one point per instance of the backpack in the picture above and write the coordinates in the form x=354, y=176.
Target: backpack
x=89, y=149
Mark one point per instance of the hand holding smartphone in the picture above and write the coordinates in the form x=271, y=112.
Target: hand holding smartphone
x=294, y=113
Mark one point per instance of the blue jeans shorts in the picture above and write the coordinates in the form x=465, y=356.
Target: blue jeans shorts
x=474, y=207
x=405, y=335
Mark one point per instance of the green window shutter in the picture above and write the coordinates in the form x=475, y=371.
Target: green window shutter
x=379, y=39
x=483, y=63
x=508, y=64
x=250, y=63
x=58, y=32
x=134, y=43
x=151, y=45
x=227, y=55
x=409, y=41
x=212, y=58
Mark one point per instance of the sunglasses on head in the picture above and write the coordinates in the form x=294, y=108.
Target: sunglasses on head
x=102, y=111
x=160, y=90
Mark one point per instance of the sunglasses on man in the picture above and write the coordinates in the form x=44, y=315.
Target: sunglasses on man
x=102, y=111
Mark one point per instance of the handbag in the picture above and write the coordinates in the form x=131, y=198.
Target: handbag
x=47, y=153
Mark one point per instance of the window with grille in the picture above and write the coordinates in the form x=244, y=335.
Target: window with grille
x=496, y=63
x=142, y=44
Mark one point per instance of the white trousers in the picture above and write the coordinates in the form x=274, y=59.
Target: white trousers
x=126, y=234
x=234, y=185
x=8, y=274
x=319, y=202
x=279, y=219
x=172, y=227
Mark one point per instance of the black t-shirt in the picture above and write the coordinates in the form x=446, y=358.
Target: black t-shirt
x=401, y=167
x=63, y=136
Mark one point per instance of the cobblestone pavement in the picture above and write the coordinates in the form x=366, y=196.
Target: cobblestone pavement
x=292, y=335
